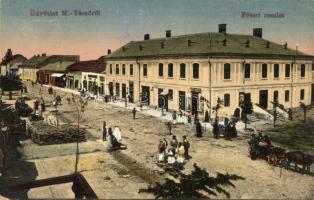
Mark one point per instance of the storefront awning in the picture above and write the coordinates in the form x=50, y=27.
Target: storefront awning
x=57, y=75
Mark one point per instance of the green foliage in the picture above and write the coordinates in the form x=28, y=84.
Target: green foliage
x=191, y=185
x=7, y=57
x=247, y=108
x=10, y=83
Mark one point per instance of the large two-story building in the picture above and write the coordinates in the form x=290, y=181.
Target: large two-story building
x=190, y=72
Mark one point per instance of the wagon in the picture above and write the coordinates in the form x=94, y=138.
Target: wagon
x=273, y=155
x=276, y=157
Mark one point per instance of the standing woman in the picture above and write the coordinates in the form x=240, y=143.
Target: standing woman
x=181, y=153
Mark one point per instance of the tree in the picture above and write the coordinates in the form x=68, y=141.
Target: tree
x=247, y=108
x=79, y=105
x=10, y=83
x=7, y=57
x=193, y=185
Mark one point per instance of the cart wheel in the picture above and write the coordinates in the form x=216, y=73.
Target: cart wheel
x=272, y=160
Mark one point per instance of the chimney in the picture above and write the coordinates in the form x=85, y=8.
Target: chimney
x=168, y=33
x=108, y=51
x=285, y=45
x=43, y=54
x=162, y=45
x=222, y=28
x=267, y=44
x=258, y=32
x=189, y=43
x=146, y=37
x=247, y=44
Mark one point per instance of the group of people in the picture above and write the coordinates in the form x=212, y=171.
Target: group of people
x=113, y=138
x=177, y=118
x=56, y=100
x=175, y=152
x=39, y=108
x=255, y=146
x=229, y=129
x=23, y=89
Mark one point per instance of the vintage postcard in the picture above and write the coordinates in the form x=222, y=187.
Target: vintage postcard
x=156, y=99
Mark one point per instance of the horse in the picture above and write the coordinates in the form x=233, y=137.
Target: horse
x=298, y=157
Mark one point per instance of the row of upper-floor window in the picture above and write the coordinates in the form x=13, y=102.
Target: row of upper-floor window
x=196, y=70
x=161, y=66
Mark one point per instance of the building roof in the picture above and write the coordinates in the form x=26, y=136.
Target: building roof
x=17, y=58
x=57, y=66
x=205, y=44
x=96, y=66
x=35, y=60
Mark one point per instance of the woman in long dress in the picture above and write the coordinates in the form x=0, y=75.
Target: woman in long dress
x=117, y=133
x=181, y=153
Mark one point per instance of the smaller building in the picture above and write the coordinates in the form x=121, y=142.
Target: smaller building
x=10, y=66
x=95, y=83
x=54, y=73
x=87, y=74
x=29, y=70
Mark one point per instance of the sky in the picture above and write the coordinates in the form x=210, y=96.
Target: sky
x=121, y=21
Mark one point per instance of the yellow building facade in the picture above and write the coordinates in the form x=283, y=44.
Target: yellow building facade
x=94, y=82
x=191, y=72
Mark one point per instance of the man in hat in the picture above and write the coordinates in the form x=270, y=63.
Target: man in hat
x=174, y=144
x=104, y=131
x=198, y=129
x=186, y=145
x=134, y=112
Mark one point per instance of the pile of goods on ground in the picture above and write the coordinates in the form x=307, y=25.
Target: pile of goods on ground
x=44, y=134
x=11, y=120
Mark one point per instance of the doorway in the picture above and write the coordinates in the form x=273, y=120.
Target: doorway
x=194, y=96
x=161, y=100
x=181, y=100
x=275, y=99
x=131, y=91
x=145, y=97
x=263, y=98
x=111, y=88
x=123, y=90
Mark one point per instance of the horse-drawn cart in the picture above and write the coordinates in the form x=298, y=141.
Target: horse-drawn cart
x=277, y=156
x=273, y=155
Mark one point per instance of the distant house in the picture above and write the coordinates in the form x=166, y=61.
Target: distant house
x=87, y=74
x=29, y=69
x=10, y=66
x=54, y=73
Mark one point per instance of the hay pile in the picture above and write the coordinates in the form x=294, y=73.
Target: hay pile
x=44, y=134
